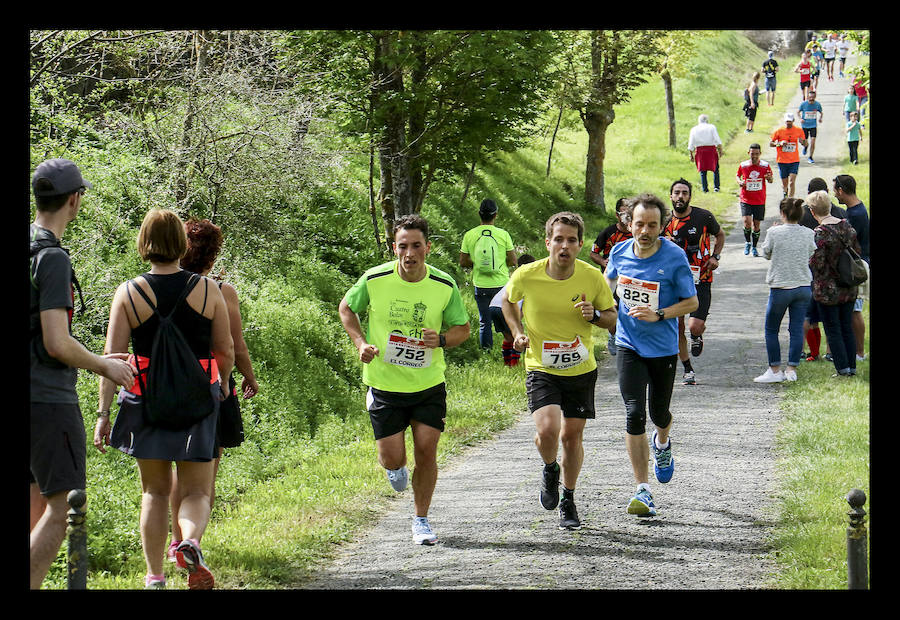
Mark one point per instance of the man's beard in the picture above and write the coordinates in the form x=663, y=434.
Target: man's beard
x=680, y=207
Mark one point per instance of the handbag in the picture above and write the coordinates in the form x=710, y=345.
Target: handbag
x=852, y=270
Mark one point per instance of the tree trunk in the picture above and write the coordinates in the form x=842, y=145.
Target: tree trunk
x=670, y=105
x=596, y=122
x=553, y=139
x=469, y=178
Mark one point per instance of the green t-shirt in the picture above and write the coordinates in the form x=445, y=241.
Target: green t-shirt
x=489, y=258
x=398, y=311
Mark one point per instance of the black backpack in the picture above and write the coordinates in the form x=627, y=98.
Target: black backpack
x=176, y=390
x=852, y=270
x=36, y=333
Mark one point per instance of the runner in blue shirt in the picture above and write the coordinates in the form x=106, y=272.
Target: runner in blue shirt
x=810, y=112
x=654, y=285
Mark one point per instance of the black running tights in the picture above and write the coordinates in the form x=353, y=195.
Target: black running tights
x=642, y=379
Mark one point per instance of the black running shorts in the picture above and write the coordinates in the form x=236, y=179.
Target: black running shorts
x=704, y=297
x=391, y=412
x=58, y=447
x=575, y=395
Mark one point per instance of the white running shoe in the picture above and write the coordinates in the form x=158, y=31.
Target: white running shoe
x=770, y=377
x=790, y=374
x=398, y=478
x=422, y=533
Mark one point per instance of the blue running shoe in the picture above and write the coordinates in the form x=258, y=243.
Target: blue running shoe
x=664, y=466
x=747, y=248
x=642, y=504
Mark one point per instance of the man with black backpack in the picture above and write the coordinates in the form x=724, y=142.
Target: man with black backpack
x=488, y=251
x=58, y=442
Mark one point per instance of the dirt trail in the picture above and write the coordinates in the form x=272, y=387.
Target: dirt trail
x=714, y=515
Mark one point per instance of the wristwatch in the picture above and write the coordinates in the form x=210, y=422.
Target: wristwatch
x=716, y=256
x=661, y=314
x=442, y=340
x=596, y=316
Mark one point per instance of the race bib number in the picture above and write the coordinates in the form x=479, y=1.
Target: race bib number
x=562, y=355
x=754, y=186
x=695, y=271
x=404, y=351
x=809, y=115
x=633, y=292
x=790, y=147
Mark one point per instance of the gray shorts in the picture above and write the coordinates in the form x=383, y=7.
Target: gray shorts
x=58, y=447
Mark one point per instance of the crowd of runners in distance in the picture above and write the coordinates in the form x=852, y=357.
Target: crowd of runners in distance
x=647, y=282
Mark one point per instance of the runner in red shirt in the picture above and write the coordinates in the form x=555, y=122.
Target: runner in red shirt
x=752, y=176
x=804, y=68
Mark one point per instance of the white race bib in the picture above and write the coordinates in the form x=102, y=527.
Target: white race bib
x=634, y=292
x=754, y=186
x=562, y=355
x=695, y=271
x=404, y=351
x=809, y=115
x=790, y=147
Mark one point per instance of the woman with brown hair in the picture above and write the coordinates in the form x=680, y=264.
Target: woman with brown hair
x=204, y=243
x=198, y=309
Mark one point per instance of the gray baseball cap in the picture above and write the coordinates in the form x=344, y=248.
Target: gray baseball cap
x=62, y=175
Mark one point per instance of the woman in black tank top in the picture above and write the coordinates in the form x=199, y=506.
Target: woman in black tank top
x=203, y=319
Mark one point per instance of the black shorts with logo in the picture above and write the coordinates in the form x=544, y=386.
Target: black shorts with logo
x=391, y=412
x=704, y=297
x=58, y=452
x=574, y=395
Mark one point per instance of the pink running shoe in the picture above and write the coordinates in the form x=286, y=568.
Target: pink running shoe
x=190, y=556
x=170, y=552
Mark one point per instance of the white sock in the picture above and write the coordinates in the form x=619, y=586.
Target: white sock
x=658, y=446
x=643, y=487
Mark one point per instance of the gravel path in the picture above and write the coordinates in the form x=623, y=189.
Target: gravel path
x=714, y=515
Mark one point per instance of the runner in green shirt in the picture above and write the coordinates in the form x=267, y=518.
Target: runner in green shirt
x=408, y=303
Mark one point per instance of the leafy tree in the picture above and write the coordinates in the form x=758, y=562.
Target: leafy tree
x=678, y=47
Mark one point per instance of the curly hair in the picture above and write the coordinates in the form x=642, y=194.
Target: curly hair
x=204, y=242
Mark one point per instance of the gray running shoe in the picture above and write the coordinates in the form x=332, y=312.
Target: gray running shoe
x=398, y=478
x=568, y=516
x=550, y=487
x=688, y=378
x=422, y=533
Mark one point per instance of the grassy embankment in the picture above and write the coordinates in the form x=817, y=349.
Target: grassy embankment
x=286, y=499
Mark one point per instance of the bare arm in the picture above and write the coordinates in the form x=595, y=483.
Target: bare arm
x=353, y=327
x=249, y=386
x=465, y=261
x=514, y=321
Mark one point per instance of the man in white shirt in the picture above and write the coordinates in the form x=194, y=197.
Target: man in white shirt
x=705, y=148
x=843, y=47
x=829, y=46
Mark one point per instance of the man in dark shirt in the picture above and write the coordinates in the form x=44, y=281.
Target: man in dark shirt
x=858, y=216
x=57, y=455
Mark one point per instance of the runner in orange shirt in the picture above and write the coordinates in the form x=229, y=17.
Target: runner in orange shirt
x=785, y=139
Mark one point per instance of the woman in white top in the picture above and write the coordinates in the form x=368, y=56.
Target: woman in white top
x=788, y=246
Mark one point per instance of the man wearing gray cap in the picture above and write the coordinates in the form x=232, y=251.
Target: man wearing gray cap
x=57, y=456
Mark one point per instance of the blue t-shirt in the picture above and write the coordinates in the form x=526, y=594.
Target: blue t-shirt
x=809, y=113
x=659, y=281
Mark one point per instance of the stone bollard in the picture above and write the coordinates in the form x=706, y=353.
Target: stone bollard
x=857, y=539
x=77, y=555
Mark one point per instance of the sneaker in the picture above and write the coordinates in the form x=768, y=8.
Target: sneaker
x=696, y=345
x=810, y=160
x=190, y=556
x=170, y=552
x=568, y=516
x=398, y=478
x=550, y=487
x=812, y=358
x=642, y=504
x=790, y=374
x=860, y=358
x=422, y=533
x=664, y=466
x=746, y=248
x=754, y=251
x=828, y=357
x=611, y=345
x=804, y=150
x=770, y=377
x=155, y=582
x=688, y=378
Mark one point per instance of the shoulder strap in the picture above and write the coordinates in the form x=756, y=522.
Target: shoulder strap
x=191, y=283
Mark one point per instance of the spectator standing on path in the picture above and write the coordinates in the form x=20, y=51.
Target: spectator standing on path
x=810, y=112
x=811, y=332
x=564, y=297
x=705, y=147
x=804, y=68
x=488, y=251
x=858, y=216
x=402, y=351
x=752, y=176
x=862, y=95
x=770, y=71
x=608, y=237
x=693, y=230
x=751, y=101
x=786, y=140
x=510, y=355
x=197, y=308
x=204, y=242
x=835, y=301
x=789, y=247
x=854, y=135
x=655, y=287
x=57, y=458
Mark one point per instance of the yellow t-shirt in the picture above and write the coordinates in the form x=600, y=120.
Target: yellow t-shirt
x=560, y=339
